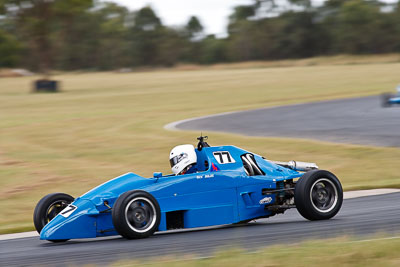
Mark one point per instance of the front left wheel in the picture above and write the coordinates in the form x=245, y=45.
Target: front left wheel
x=136, y=214
x=48, y=207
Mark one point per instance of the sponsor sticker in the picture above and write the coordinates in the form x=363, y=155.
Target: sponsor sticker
x=207, y=176
x=214, y=168
x=266, y=200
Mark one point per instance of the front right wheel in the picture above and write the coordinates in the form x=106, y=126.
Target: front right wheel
x=318, y=195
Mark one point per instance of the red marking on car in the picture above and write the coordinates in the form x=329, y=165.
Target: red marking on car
x=214, y=167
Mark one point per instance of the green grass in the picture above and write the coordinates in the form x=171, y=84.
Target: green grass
x=331, y=252
x=106, y=124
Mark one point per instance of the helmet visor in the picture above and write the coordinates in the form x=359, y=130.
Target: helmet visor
x=175, y=160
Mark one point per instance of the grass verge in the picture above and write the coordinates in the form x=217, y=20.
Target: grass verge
x=331, y=252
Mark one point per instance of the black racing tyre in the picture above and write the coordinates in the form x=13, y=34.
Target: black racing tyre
x=48, y=207
x=318, y=195
x=136, y=214
x=385, y=100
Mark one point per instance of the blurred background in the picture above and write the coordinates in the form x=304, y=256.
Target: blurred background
x=125, y=69
x=108, y=35
x=121, y=70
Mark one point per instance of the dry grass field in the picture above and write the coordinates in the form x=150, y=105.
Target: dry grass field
x=329, y=253
x=105, y=124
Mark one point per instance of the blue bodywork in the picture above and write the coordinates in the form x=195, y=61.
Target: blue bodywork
x=394, y=98
x=217, y=193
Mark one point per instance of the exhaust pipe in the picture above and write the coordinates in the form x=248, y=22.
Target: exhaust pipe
x=297, y=165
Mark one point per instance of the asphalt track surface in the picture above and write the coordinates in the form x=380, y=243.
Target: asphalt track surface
x=361, y=217
x=356, y=121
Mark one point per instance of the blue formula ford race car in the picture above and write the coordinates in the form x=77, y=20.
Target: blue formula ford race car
x=210, y=185
x=388, y=99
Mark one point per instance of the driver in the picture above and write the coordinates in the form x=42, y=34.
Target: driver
x=182, y=158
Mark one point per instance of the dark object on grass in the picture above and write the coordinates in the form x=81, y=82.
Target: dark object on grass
x=45, y=85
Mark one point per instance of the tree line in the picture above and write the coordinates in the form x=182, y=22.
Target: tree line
x=42, y=35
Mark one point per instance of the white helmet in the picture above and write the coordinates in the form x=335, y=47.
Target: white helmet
x=182, y=157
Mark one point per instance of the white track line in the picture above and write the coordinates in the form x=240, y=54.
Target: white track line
x=346, y=195
x=18, y=235
x=371, y=192
x=172, y=126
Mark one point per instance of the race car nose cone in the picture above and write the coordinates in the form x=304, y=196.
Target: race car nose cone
x=75, y=221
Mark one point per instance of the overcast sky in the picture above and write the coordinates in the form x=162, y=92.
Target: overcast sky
x=213, y=14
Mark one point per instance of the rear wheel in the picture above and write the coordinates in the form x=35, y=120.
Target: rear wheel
x=318, y=195
x=48, y=208
x=136, y=214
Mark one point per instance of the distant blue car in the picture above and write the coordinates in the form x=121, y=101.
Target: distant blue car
x=389, y=99
x=230, y=185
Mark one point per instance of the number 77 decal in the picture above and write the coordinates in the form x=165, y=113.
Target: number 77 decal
x=223, y=157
